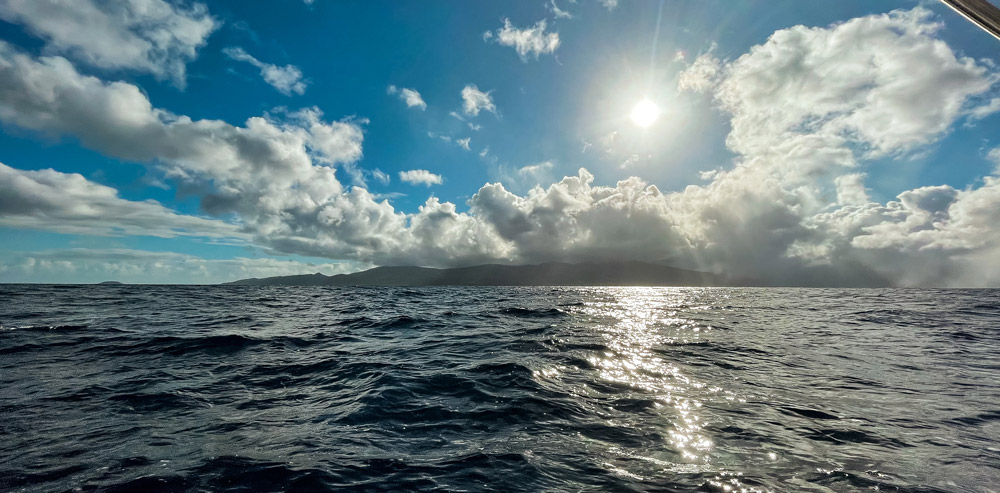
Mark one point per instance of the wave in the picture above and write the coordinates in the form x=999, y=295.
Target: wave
x=583, y=389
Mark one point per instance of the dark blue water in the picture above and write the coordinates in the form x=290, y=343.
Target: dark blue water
x=239, y=388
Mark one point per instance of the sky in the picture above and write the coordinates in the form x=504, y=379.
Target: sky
x=820, y=143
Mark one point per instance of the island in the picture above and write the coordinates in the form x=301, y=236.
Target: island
x=631, y=273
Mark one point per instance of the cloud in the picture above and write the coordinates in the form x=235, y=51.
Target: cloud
x=420, y=177
x=286, y=80
x=381, y=176
x=433, y=135
x=629, y=161
x=463, y=143
x=534, y=174
x=533, y=40
x=69, y=203
x=994, y=156
x=277, y=173
x=151, y=36
x=535, y=168
x=48, y=95
x=810, y=110
x=872, y=95
x=851, y=189
x=980, y=112
x=474, y=100
x=701, y=75
x=84, y=265
x=410, y=96
x=609, y=4
x=809, y=107
x=557, y=12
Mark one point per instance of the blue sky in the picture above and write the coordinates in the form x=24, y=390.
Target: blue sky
x=234, y=139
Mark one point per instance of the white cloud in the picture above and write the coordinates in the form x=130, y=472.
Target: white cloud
x=474, y=127
x=810, y=108
x=69, y=203
x=812, y=104
x=286, y=79
x=980, y=112
x=609, y=4
x=420, y=177
x=851, y=189
x=536, y=168
x=409, y=96
x=533, y=40
x=381, y=176
x=557, y=12
x=151, y=36
x=463, y=143
x=444, y=138
x=83, y=265
x=276, y=174
x=994, y=156
x=701, y=75
x=474, y=100
x=47, y=94
x=629, y=161
x=535, y=174
x=817, y=77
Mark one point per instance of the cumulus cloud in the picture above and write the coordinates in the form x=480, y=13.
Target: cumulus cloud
x=84, y=265
x=286, y=79
x=463, y=143
x=420, y=177
x=151, y=36
x=820, y=79
x=276, y=172
x=609, y=4
x=69, y=203
x=701, y=75
x=474, y=101
x=531, y=40
x=409, y=96
x=809, y=109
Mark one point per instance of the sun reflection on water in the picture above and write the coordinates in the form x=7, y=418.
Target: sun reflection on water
x=644, y=319
x=637, y=325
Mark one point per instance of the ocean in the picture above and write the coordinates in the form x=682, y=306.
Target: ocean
x=229, y=388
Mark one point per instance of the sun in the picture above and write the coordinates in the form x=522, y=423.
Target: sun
x=645, y=113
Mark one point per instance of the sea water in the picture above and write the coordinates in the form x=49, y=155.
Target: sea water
x=498, y=388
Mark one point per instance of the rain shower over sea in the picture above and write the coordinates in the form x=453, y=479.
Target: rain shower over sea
x=174, y=388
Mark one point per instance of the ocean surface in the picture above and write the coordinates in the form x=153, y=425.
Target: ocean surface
x=173, y=388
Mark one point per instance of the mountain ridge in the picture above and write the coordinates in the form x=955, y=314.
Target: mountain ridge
x=625, y=273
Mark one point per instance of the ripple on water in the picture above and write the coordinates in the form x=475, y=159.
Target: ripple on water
x=238, y=388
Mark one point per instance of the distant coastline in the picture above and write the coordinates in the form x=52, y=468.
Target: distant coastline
x=547, y=274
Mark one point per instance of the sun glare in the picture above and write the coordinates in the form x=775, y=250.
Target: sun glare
x=645, y=113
